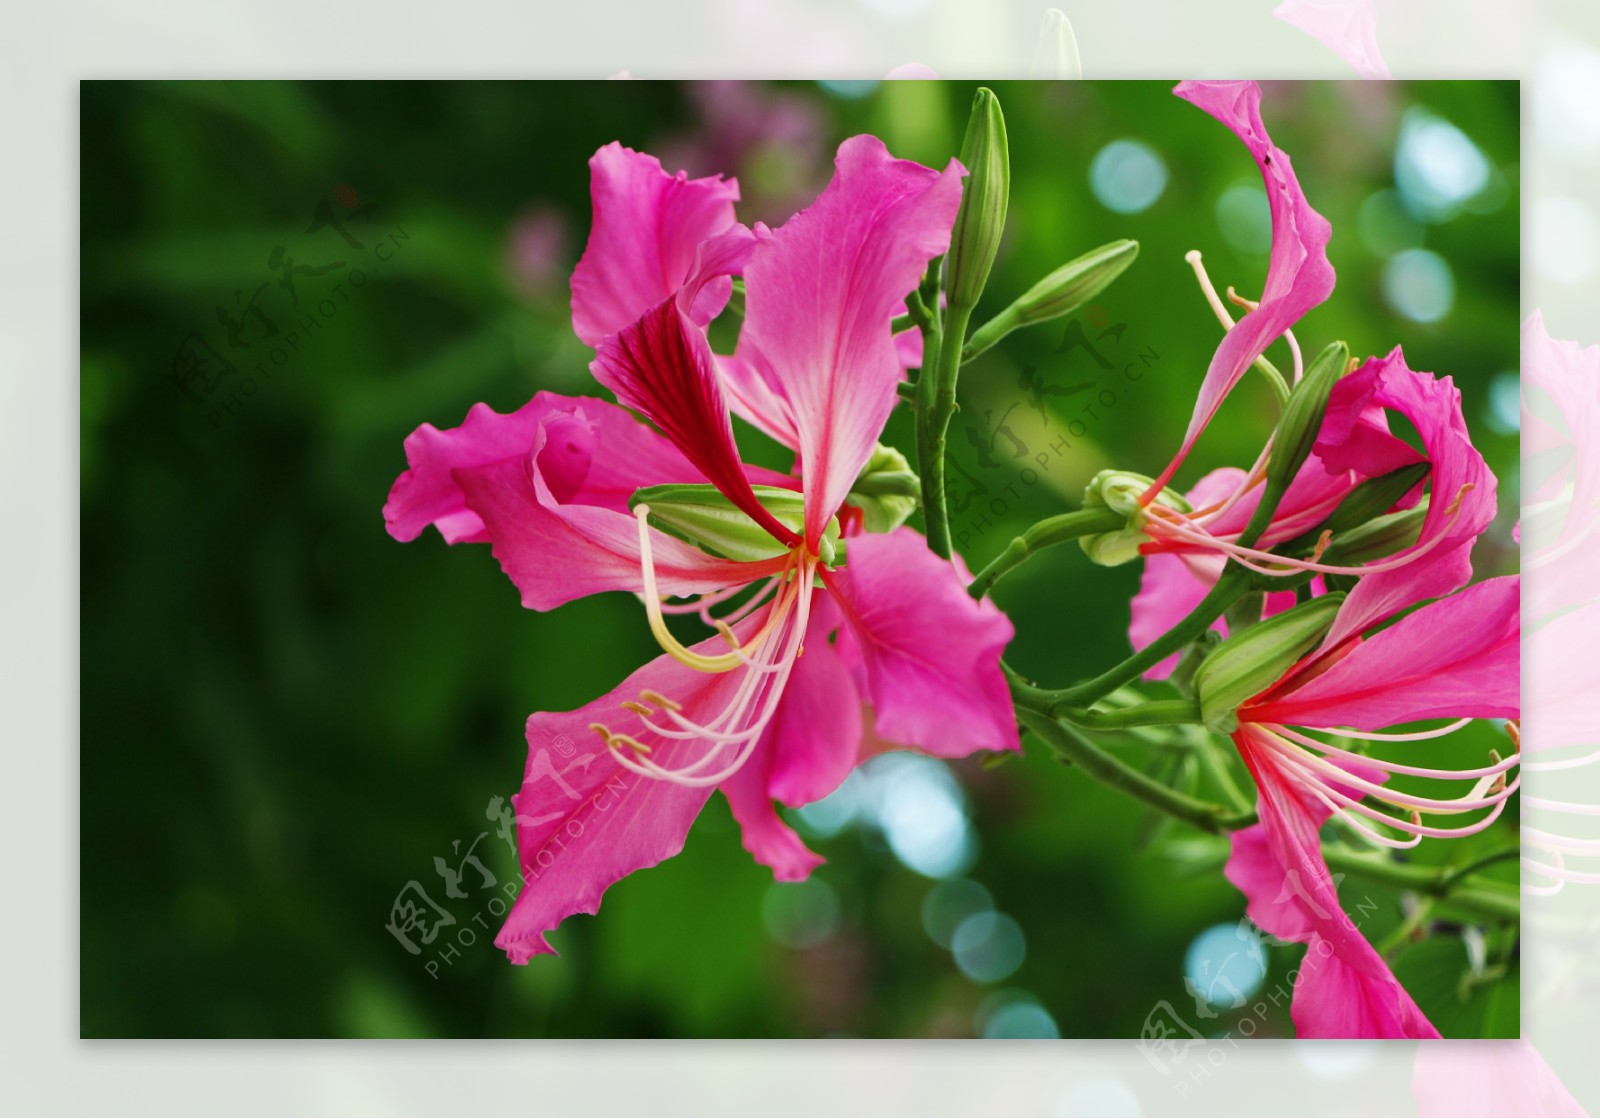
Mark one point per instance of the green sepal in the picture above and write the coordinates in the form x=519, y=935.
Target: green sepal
x=1060, y=293
x=1376, y=496
x=984, y=197
x=1378, y=538
x=1247, y=664
x=1301, y=421
x=701, y=515
x=1119, y=491
x=886, y=491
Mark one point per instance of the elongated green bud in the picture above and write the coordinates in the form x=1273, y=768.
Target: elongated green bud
x=1376, y=496
x=1245, y=665
x=984, y=198
x=1056, y=55
x=1378, y=538
x=886, y=491
x=702, y=516
x=1119, y=490
x=1060, y=293
x=1301, y=421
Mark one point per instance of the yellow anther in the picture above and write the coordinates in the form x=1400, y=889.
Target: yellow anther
x=637, y=708
x=660, y=700
x=1514, y=730
x=1322, y=544
x=1240, y=301
x=602, y=730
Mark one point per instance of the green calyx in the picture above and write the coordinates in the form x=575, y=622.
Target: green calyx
x=886, y=491
x=701, y=515
x=1119, y=491
x=1248, y=663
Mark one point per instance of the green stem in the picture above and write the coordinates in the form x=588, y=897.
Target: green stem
x=1234, y=582
x=1156, y=712
x=1482, y=897
x=1457, y=875
x=1073, y=747
x=936, y=404
x=1052, y=530
x=1216, y=766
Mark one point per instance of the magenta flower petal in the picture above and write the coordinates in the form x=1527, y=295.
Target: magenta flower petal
x=1298, y=274
x=1455, y=658
x=663, y=366
x=1346, y=27
x=583, y=820
x=556, y=511
x=821, y=292
x=1344, y=988
x=1171, y=586
x=927, y=654
x=1461, y=486
x=647, y=228
x=1490, y=1079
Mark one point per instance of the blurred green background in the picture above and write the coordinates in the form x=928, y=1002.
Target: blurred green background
x=287, y=717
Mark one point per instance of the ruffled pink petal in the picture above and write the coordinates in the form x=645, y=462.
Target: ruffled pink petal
x=1460, y=484
x=662, y=366
x=1344, y=988
x=584, y=821
x=556, y=511
x=928, y=655
x=1455, y=658
x=647, y=227
x=806, y=752
x=1489, y=1079
x=1346, y=27
x=820, y=294
x=1298, y=273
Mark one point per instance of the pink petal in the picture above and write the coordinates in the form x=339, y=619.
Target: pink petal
x=662, y=366
x=1298, y=274
x=583, y=821
x=820, y=294
x=1171, y=586
x=806, y=752
x=1489, y=1079
x=1344, y=989
x=555, y=511
x=1454, y=658
x=647, y=227
x=927, y=654
x=1461, y=486
x=1346, y=27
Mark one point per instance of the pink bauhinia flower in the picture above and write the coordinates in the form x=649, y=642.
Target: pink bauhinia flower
x=1187, y=551
x=807, y=649
x=1455, y=658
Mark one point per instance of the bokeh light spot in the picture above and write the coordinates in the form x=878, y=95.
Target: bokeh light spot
x=1437, y=168
x=949, y=903
x=1504, y=410
x=848, y=89
x=988, y=947
x=1245, y=218
x=1127, y=176
x=801, y=914
x=1225, y=964
x=923, y=814
x=1418, y=284
x=1019, y=1018
x=1384, y=225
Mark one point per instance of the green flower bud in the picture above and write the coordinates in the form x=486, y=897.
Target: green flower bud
x=1056, y=56
x=1380, y=537
x=1376, y=496
x=1060, y=293
x=984, y=196
x=886, y=491
x=702, y=516
x=1119, y=490
x=1248, y=663
x=1301, y=421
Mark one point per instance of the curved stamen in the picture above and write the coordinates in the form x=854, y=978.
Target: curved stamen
x=1413, y=736
x=1186, y=530
x=1495, y=770
x=658, y=625
x=1476, y=798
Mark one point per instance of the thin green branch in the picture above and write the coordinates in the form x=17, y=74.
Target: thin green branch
x=1053, y=530
x=1072, y=746
x=936, y=404
x=1480, y=896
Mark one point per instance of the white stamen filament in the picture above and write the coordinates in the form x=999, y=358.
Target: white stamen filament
x=1306, y=760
